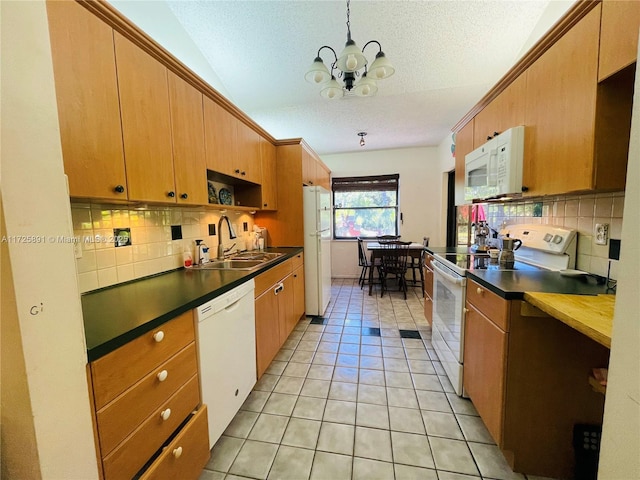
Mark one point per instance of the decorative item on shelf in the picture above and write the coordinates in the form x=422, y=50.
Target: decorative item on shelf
x=225, y=197
x=350, y=61
x=362, y=135
x=213, y=197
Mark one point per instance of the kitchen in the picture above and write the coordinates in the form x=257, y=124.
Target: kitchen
x=44, y=214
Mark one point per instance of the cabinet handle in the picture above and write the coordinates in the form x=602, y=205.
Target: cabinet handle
x=184, y=196
x=265, y=204
x=489, y=137
x=243, y=173
x=479, y=291
x=465, y=310
x=119, y=189
x=177, y=452
x=237, y=170
x=278, y=289
x=162, y=376
x=158, y=336
x=171, y=194
x=165, y=414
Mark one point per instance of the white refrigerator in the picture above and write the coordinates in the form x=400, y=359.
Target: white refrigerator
x=317, y=249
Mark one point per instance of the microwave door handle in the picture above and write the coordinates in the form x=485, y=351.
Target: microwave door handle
x=447, y=276
x=492, y=177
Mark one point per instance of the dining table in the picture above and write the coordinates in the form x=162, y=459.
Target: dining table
x=376, y=248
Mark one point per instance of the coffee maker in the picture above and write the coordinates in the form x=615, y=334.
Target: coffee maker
x=481, y=234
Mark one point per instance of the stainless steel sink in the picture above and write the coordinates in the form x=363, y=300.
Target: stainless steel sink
x=241, y=261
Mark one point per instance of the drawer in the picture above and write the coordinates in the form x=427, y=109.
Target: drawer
x=132, y=454
x=272, y=276
x=118, y=370
x=492, y=306
x=186, y=455
x=120, y=417
x=297, y=261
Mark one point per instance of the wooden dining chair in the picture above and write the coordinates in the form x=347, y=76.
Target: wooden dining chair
x=393, y=264
x=363, y=262
x=416, y=263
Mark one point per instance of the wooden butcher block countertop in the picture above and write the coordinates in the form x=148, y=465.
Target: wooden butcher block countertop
x=591, y=315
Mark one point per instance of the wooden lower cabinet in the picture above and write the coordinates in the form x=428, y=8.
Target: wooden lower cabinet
x=527, y=375
x=144, y=394
x=279, y=305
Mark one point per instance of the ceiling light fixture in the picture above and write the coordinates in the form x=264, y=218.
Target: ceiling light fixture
x=350, y=61
x=362, y=135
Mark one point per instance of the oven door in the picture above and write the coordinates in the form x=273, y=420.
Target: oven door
x=448, y=316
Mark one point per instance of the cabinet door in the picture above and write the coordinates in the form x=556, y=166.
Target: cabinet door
x=88, y=110
x=484, y=369
x=187, y=127
x=286, y=315
x=249, y=164
x=428, y=294
x=146, y=128
x=267, y=330
x=298, y=295
x=308, y=168
x=618, y=35
x=324, y=176
x=221, y=142
x=560, y=112
x=269, y=175
x=504, y=112
x=464, y=145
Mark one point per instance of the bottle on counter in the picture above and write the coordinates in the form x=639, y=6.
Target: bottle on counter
x=188, y=259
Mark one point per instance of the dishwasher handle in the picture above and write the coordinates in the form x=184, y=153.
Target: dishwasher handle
x=279, y=288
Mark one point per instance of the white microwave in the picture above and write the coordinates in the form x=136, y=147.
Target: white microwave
x=495, y=168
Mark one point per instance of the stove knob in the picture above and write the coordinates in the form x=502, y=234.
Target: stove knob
x=557, y=239
x=548, y=237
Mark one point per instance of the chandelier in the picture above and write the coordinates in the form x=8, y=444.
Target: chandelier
x=349, y=64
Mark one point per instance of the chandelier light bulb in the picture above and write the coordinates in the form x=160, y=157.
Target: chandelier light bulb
x=331, y=94
x=380, y=73
x=318, y=77
x=366, y=91
x=352, y=62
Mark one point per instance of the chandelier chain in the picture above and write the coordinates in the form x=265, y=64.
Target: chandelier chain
x=348, y=22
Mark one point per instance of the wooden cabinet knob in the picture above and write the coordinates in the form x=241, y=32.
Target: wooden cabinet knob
x=158, y=336
x=162, y=376
x=177, y=452
x=479, y=291
x=165, y=414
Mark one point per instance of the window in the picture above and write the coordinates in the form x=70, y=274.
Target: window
x=365, y=206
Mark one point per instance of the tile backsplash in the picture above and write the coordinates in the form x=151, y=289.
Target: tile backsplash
x=580, y=212
x=152, y=249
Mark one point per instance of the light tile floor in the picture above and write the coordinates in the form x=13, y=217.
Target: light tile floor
x=340, y=403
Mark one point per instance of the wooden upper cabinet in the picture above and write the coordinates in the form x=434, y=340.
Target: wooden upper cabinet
x=309, y=168
x=249, y=162
x=221, y=142
x=146, y=128
x=504, y=112
x=618, y=35
x=187, y=127
x=464, y=145
x=323, y=175
x=87, y=95
x=560, y=112
x=269, y=175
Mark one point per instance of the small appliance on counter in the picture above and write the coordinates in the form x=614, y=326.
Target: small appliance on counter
x=506, y=257
x=481, y=233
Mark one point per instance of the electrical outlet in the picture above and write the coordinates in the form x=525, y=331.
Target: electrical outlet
x=602, y=233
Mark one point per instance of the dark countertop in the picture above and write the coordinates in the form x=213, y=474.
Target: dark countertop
x=512, y=284
x=116, y=315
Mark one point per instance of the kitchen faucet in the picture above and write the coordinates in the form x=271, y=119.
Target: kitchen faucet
x=232, y=235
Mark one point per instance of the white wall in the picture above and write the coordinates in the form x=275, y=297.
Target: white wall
x=45, y=314
x=621, y=430
x=420, y=195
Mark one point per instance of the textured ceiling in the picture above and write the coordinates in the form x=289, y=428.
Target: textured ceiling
x=447, y=55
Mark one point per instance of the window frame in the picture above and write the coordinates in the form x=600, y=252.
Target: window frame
x=366, y=183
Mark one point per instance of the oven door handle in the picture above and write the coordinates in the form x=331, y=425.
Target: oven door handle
x=457, y=280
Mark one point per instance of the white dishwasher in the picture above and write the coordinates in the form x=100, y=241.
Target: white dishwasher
x=227, y=346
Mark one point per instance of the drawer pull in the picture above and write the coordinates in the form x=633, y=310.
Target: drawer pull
x=162, y=376
x=466, y=310
x=479, y=291
x=165, y=414
x=177, y=452
x=158, y=336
